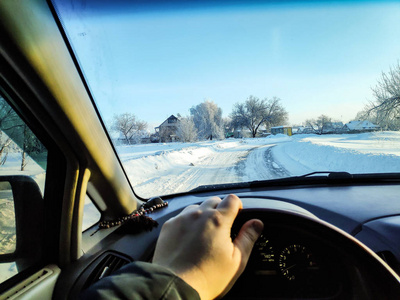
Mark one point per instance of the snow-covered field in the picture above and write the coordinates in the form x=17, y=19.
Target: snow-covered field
x=355, y=153
x=156, y=169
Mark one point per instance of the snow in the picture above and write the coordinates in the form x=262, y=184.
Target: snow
x=360, y=125
x=166, y=168
x=355, y=153
x=157, y=169
x=12, y=166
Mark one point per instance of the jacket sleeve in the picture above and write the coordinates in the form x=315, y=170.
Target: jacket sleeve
x=140, y=280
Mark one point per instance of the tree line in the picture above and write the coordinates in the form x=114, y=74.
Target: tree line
x=205, y=120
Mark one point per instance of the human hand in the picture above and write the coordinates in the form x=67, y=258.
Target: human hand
x=197, y=246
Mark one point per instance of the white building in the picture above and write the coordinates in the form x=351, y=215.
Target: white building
x=360, y=126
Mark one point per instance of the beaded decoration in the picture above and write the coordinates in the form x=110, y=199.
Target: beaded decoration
x=138, y=217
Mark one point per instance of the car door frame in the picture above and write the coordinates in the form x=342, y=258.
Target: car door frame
x=41, y=75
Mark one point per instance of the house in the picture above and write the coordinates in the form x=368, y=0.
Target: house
x=168, y=129
x=360, y=126
x=282, y=130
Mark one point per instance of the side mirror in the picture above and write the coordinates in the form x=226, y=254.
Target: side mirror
x=21, y=221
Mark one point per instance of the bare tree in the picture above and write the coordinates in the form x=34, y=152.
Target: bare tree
x=207, y=117
x=30, y=145
x=130, y=128
x=249, y=114
x=320, y=124
x=9, y=122
x=254, y=112
x=27, y=145
x=4, y=148
x=187, y=131
x=385, y=111
x=276, y=114
x=13, y=129
x=124, y=124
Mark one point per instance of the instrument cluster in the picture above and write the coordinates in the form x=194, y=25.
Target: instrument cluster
x=290, y=262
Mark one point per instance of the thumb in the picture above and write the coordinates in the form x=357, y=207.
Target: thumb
x=244, y=243
x=246, y=238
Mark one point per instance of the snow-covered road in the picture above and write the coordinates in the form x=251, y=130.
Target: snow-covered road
x=181, y=167
x=261, y=165
x=158, y=169
x=235, y=162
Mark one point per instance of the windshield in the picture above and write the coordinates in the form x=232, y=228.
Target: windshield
x=205, y=93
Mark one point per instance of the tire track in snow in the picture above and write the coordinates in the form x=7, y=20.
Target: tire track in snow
x=277, y=170
x=260, y=165
x=215, y=169
x=241, y=164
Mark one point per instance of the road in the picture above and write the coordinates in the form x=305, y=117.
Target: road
x=239, y=164
x=260, y=165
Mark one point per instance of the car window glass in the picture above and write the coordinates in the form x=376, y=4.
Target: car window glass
x=202, y=93
x=21, y=153
x=91, y=214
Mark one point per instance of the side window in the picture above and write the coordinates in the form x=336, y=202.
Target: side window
x=23, y=161
x=91, y=214
x=8, y=236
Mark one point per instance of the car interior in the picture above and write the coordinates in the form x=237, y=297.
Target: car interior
x=326, y=236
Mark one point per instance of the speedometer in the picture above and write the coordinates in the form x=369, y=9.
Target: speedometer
x=297, y=262
x=263, y=257
x=265, y=250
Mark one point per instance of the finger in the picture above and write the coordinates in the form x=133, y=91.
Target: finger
x=244, y=242
x=230, y=206
x=212, y=202
x=190, y=207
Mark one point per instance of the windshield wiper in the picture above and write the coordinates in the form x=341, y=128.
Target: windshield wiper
x=331, y=175
x=319, y=177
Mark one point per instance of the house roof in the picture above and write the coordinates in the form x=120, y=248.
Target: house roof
x=361, y=125
x=171, y=117
x=282, y=126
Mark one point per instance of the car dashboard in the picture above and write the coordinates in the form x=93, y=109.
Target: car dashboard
x=303, y=252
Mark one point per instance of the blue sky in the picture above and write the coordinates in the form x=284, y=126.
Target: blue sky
x=319, y=59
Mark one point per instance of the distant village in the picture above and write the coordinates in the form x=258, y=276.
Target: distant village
x=167, y=131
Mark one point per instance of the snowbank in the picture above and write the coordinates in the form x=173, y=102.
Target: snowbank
x=355, y=153
x=176, y=167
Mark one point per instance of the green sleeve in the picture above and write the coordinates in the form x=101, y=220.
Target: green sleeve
x=141, y=280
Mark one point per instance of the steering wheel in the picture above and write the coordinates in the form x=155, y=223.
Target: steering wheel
x=301, y=256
